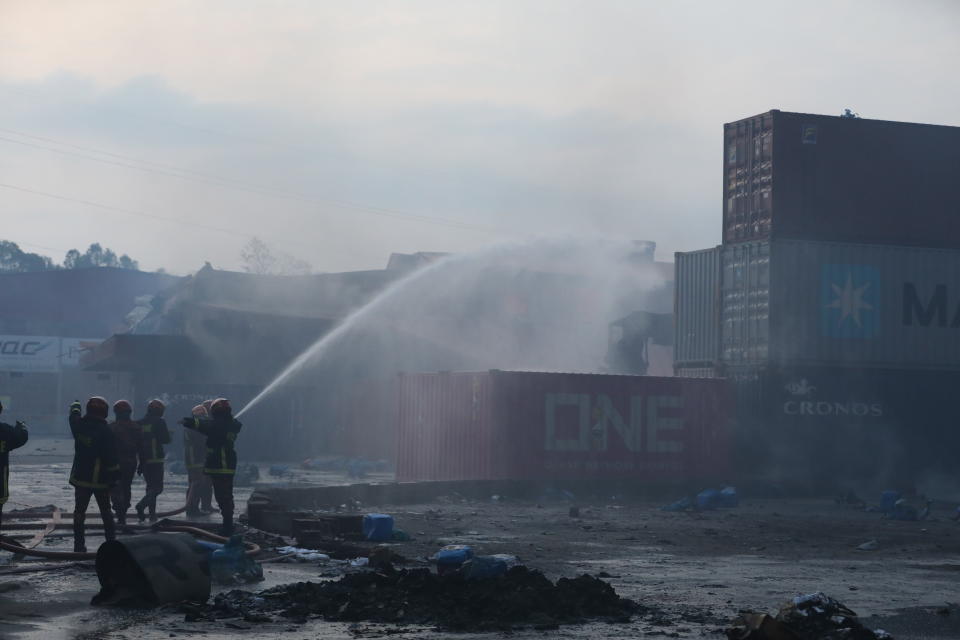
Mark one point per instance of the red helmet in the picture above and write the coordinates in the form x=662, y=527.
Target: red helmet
x=199, y=411
x=220, y=407
x=122, y=406
x=156, y=407
x=97, y=407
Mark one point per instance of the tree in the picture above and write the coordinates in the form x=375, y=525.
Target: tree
x=14, y=260
x=259, y=258
x=97, y=256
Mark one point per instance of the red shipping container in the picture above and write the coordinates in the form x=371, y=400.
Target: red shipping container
x=528, y=425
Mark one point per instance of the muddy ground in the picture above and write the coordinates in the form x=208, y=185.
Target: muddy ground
x=693, y=571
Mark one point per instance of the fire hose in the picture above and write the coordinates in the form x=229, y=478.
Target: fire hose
x=15, y=547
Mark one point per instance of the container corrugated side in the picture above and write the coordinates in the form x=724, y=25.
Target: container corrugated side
x=745, y=303
x=538, y=426
x=826, y=178
x=697, y=308
x=445, y=428
x=866, y=305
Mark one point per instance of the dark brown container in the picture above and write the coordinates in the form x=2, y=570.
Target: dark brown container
x=517, y=425
x=828, y=178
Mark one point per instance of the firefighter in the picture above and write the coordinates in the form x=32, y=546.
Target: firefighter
x=10, y=438
x=127, y=435
x=95, y=466
x=221, y=430
x=153, y=435
x=199, y=488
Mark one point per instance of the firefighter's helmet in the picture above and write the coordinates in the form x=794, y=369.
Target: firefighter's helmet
x=220, y=407
x=156, y=407
x=97, y=407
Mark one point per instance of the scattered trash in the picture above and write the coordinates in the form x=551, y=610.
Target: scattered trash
x=451, y=557
x=708, y=499
x=871, y=545
x=903, y=510
x=480, y=567
x=888, y=500
x=811, y=617
x=279, y=470
x=360, y=562
x=521, y=597
x=851, y=498
x=496, y=498
x=729, y=498
x=302, y=555
x=680, y=505
x=401, y=536
x=378, y=527
x=231, y=565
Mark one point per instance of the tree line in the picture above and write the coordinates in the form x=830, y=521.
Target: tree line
x=13, y=259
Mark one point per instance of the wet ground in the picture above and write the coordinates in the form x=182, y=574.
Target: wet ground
x=692, y=571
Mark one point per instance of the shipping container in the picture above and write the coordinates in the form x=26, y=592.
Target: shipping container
x=834, y=427
x=537, y=426
x=697, y=309
x=826, y=178
x=806, y=303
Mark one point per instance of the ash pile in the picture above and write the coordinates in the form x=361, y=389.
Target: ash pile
x=810, y=617
x=519, y=598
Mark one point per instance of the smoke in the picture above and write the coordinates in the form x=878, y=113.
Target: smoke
x=544, y=304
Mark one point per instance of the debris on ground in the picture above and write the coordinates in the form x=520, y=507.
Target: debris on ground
x=521, y=597
x=299, y=554
x=811, y=617
x=869, y=545
x=230, y=564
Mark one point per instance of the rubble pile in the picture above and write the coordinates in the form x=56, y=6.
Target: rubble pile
x=810, y=617
x=521, y=597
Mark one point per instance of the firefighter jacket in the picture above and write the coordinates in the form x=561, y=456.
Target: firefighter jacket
x=95, y=462
x=128, y=435
x=154, y=435
x=194, y=449
x=10, y=439
x=221, y=433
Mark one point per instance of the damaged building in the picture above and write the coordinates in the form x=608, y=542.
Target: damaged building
x=49, y=320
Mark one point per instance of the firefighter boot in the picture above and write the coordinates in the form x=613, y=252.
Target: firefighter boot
x=109, y=528
x=226, y=530
x=79, y=545
x=141, y=511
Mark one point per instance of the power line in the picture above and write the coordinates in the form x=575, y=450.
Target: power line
x=226, y=182
x=121, y=210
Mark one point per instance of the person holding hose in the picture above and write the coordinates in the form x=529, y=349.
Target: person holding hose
x=95, y=466
x=221, y=430
x=154, y=434
x=199, y=489
x=127, y=435
x=11, y=437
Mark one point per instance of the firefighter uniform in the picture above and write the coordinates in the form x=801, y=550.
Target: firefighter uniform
x=11, y=437
x=95, y=466
x=154, y=434
x=221, y=462
x=199, y=487
x=128, y=436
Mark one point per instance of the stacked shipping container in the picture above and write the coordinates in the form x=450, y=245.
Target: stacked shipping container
x=834, y=303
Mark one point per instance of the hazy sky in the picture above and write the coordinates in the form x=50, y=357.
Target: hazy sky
x=342, y=131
